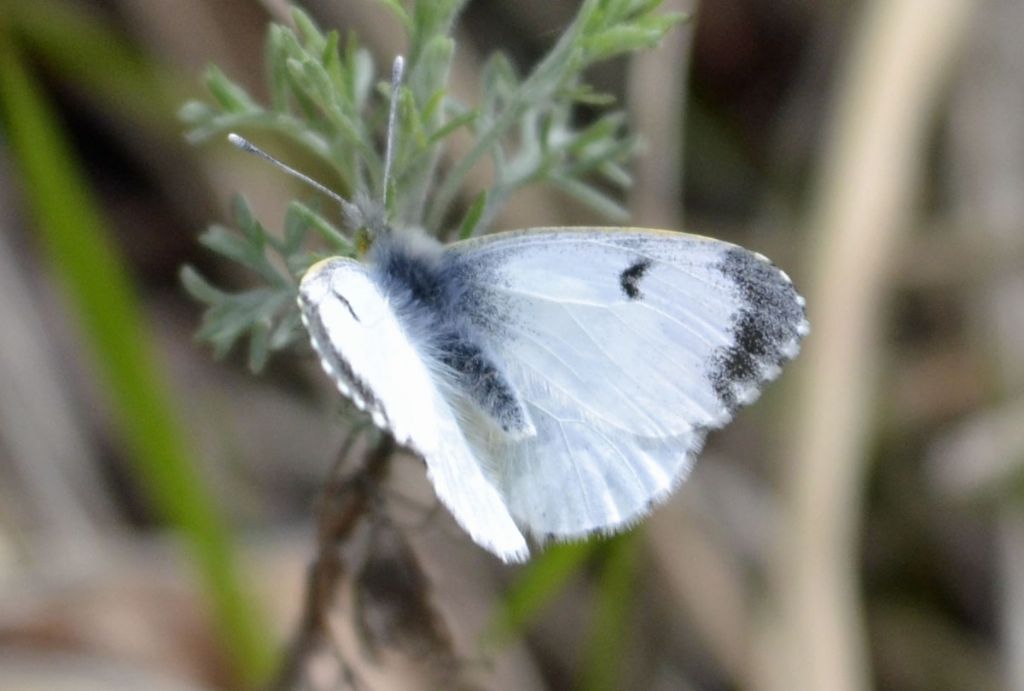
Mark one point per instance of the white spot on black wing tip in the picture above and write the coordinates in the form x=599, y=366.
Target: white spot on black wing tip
x=790, y=350
x=723, y=417
x=748, y=395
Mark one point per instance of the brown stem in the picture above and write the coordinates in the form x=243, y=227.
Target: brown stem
x=896, y=70
x=343, y=505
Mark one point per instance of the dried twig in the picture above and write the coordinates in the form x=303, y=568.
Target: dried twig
x=987, y=155
x=657, y=86
x=344, y=503
x=894, y=73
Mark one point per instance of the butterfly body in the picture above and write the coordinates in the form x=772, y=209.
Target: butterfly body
x=429, y=293
x=557, y=381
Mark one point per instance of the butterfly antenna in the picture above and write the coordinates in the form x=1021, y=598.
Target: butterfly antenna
x=247, y=146
x=397, y=68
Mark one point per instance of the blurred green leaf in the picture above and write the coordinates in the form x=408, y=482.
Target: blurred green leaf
x=399, y=11
x=608, y=638
x=101, y=294
x=103, y=65
x=199, y=288
x=602, y=29
x=540, y=581
x=229, y=96
x=336, y=240
x=267, y=314
x=472, y=218
x=593, y=198
x=524, y=126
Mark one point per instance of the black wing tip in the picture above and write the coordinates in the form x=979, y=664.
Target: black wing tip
x=766, y=331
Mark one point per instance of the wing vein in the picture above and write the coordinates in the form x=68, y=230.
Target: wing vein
x=568, y=395
x=605, y=306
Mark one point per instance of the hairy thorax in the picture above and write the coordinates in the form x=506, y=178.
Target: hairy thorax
x=427, y=290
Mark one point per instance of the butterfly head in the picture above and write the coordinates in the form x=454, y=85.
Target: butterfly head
x=367, y=219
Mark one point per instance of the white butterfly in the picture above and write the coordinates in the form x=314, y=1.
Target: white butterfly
x=558, y=382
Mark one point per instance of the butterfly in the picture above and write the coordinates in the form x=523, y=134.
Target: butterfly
x=558, y=382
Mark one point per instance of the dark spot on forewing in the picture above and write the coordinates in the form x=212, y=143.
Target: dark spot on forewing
x=629, y=279
x=765, y=326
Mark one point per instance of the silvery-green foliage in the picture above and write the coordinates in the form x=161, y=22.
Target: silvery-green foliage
x=329, y=99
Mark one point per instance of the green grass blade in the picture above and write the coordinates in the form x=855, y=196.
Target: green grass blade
x=75, y=240
x=609, y=634
x=88, y=52
x=472, y=218
x=540, y=581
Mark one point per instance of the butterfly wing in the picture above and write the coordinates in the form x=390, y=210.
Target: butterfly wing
x=365, y=349
x=626, y=346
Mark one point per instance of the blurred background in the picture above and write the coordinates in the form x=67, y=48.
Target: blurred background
x=861, y=527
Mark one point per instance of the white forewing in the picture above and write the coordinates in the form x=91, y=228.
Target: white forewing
x=364, y=348
x=626, y=346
